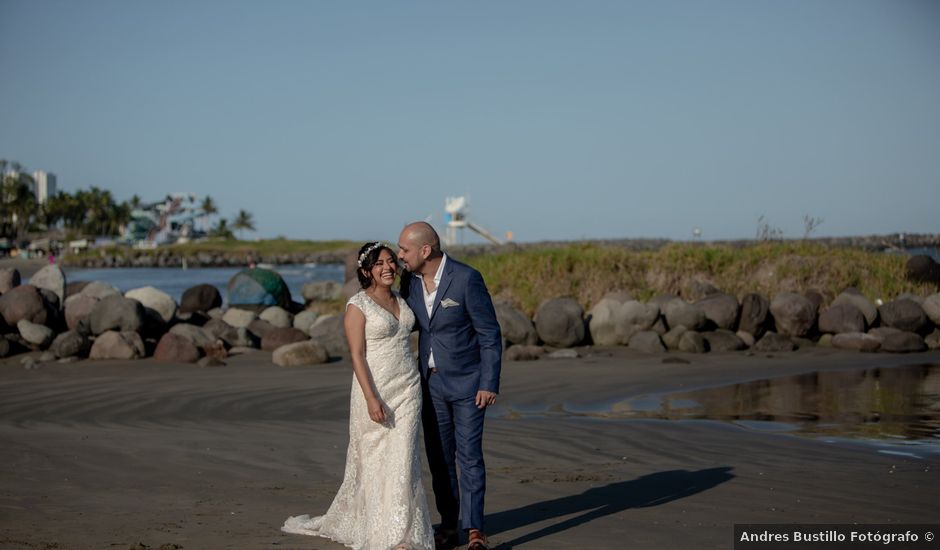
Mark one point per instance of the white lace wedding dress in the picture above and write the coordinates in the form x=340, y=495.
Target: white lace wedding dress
x=381, y=504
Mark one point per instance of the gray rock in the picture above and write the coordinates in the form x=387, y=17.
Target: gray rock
x=155, y=299
x=280, y=337
x=773, y=342
x=680, y=313
x=52, y=278
x=842, y=318
x=70, y=344
x=794, y=315
x=825, y=341
x=815, y=297
x=647, y=341
x=176, y=348
x=9, y=279
x=39, y=336
x=47, y=357
x=671, y=339
x=697, y=290
x=755, y=309
x=305, y=319
x=277, y=316
x=693, y=342
x=78, y=307
x=117, y=345
x=219, y=329
x=559, y=322
x=856, y=341
x=330, y=333
x=261, y=328
x=720, y=309
x=933, y=339
x=117, y=313
x=603, y=323
x=100, y=290
x=883, y=332
x=514, y=325
x=202, y=297
x=244, y=338
x=923, y=269
x=198, y=336
x=906, y=315
x=747, y=338
x=216, y=313
x=563, y=354
x=853, y=297
x=911, y=297
x=931, y=307
x=523, y=353
x=636, y=317
x=903, y=342
x=239, y=318
x=322, y=291
x=23, y=302
x=723, y=340
x=299, y=354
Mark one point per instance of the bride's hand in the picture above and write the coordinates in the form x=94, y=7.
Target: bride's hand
x=376, y=410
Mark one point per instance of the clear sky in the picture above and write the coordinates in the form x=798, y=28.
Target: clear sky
x=561, y=120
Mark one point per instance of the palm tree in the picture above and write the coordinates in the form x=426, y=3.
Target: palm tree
x=243, y=221
x=221, y=230
x=208, y=209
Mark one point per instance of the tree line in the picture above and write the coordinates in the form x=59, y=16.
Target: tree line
x=91, y=212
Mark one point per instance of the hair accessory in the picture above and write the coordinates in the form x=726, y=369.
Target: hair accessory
x=365, y=254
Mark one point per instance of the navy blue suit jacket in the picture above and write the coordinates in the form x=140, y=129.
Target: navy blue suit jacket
x=465, y=336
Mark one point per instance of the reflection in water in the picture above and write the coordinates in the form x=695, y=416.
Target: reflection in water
x=897, y=403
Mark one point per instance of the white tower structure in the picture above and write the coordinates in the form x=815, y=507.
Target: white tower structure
x=45, y=186
x=455, y=215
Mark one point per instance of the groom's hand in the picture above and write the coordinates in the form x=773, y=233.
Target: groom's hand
x=485, y=399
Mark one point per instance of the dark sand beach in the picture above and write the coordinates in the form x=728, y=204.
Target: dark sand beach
x=141, y=454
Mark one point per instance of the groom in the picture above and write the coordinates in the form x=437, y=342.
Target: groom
x=460, y=349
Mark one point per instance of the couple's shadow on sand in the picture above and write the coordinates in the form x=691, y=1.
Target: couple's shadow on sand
x=597, y=502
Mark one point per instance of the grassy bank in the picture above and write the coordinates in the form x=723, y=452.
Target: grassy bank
x=587, y=272
x=220, y=247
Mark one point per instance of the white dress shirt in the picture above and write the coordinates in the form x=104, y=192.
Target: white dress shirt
x=429, y=298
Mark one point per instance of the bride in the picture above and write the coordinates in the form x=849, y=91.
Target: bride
x=381, y=504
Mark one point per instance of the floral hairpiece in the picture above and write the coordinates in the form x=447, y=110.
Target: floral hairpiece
x=365, y=254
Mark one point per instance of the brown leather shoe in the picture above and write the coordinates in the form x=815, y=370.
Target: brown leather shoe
x=444, y=539
x=477, y=541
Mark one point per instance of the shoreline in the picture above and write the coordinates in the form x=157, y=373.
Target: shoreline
x=112, y=453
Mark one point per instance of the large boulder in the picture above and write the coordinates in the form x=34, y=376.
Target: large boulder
x=322, y=291
x=514, y=325
x=221, y=330
x=258, y=288
x=856, y=341
x=117, y=313
x=24, y=302
x=299, y=354
x=559, y=322
x=721, y=309
x=199, y=336
x=646, y=341
x=261, y=328
x=52, y=278
x=305, y=319
x=277, y=316
x=693, y=342
x=773, y=342
x=237, y=317
x=202, y=297
x=755, y=309
x=793, y=313
x=906, y=315
x=852, y=296
x=38, y=336
x=636, y=317
x=903, y=342
x=682, y=313
x=923, y=269
x=931, y=307
x=723, y=340
x=698, y=289
x=603, y=323
x=277, y=337
x=100, y=290
x=671, y=338
x=883, y=332
x=78, y=307
x=117, y=345
x=614, y=323
x=155, y=299
x=176, y=348
x=9, y=279
x=70, y=344
x=842, y=318
x=330, y=332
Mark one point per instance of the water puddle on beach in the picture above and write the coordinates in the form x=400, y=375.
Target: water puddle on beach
x=895, y=408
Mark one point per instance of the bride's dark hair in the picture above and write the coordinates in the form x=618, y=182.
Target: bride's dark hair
x=368, y=255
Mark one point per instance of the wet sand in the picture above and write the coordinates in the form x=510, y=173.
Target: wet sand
x=142, y=454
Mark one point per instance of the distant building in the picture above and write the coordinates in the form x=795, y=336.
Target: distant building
x=45, y=186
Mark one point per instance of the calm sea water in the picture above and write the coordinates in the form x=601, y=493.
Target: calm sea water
x=175, y=281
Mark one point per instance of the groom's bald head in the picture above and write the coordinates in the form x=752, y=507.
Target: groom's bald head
x=418, y=244
x=419, y=234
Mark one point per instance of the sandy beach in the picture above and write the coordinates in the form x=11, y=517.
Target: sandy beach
x=149, y=455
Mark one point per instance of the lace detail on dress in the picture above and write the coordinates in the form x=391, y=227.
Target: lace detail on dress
x=381, y=503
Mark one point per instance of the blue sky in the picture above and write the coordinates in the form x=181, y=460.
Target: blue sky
x=560, y=120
